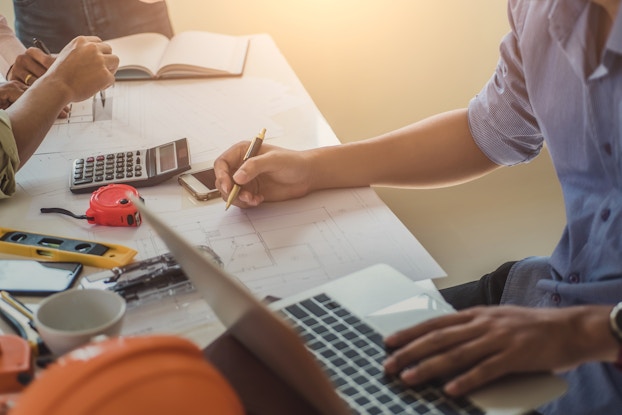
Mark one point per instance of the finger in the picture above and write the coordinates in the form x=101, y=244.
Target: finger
x=90, y=38
x=104, y=48
x=248, y=199
x=21, y=87
x=78, y=42
x=241, y=176
x=14, y=94
x=40, y=61
x=485, y=372
x=405, y=336
x=29, y=79
x=446, y=342
x=15, y=87
x=465, y=354
x=25, y=65
x=10, y=92
x=112, y=63
x=7, y=98
x=253, y=167
x=223, y=170
x=86, y=39
x=223, y=179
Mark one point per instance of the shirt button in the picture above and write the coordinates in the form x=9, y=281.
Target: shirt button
x=556, y=298
x=607, y=148
x=604, y=214
x=573, y=278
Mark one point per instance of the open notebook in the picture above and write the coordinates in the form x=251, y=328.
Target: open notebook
x=326, y=343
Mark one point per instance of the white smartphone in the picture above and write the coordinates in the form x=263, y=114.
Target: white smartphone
x=200, y=184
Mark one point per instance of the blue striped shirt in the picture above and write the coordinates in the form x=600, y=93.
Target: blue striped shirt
x=559, y=82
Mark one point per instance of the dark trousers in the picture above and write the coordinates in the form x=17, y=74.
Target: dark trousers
x=485, y=291
x=56, y=22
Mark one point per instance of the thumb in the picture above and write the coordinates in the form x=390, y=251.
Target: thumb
x=250, y=169
x=241, y=177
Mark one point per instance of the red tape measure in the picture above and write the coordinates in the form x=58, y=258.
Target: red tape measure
x=110, y=206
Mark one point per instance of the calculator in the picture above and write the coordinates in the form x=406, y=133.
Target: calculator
x=137, y=168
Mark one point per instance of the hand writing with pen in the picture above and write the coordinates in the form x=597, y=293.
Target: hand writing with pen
x=27, y=68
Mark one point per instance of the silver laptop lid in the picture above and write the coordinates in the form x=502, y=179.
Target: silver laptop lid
x=250, y=321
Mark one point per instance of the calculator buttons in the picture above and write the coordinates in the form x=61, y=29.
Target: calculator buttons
x=82, y=181
x=107, y=168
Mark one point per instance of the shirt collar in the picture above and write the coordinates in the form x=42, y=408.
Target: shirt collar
x=563, y=17
x=568, y=24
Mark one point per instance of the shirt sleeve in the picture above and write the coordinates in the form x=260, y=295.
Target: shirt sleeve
x=10, y=46
x=9, y=158
x=501, y=118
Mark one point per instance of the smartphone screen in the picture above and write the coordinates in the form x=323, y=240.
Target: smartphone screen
x=201, y=184
x=207, y=177
x=37, y=278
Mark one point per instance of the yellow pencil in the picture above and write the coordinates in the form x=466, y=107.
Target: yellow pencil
x=252, y=151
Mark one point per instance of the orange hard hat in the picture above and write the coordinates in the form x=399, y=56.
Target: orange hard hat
x=155, y=375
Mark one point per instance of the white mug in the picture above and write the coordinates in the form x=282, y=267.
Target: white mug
x=72, y=318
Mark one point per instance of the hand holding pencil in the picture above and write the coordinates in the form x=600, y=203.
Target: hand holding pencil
x=248, y=175
x=252, y=151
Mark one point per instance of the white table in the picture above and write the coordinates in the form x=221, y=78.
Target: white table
x=275, y=249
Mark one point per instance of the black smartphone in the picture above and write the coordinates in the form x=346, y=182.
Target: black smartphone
x=200, y=184
x=37, y=278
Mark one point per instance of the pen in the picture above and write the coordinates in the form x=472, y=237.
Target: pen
x=252, y=151
x=39, y=44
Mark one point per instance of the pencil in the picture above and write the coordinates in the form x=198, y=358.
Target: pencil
x=252, y=151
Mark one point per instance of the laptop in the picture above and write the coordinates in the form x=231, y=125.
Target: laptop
x=326, y=343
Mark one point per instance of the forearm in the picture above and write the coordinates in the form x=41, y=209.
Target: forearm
x=34, y=113
x=435, y=152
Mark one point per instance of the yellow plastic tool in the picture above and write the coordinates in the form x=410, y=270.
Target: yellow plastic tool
x=55, y=248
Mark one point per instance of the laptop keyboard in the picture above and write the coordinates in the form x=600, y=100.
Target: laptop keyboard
x=352, y=353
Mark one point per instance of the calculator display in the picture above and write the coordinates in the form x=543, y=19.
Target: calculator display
x=167, y=159
x=138, y=168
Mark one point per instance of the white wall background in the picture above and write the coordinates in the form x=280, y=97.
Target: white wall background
x=375, y=65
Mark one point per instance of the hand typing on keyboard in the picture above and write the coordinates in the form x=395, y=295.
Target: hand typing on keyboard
x=478, y=345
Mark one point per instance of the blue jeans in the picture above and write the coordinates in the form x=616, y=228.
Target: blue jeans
x=56, y=22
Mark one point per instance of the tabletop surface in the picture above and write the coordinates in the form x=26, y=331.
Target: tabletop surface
x=276, y=249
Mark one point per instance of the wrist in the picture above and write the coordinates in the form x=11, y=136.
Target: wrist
x=8, y=73
x=593, y=338
x=615, y=325
x=339, y=166
x=57, y=92
x=321, y=172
